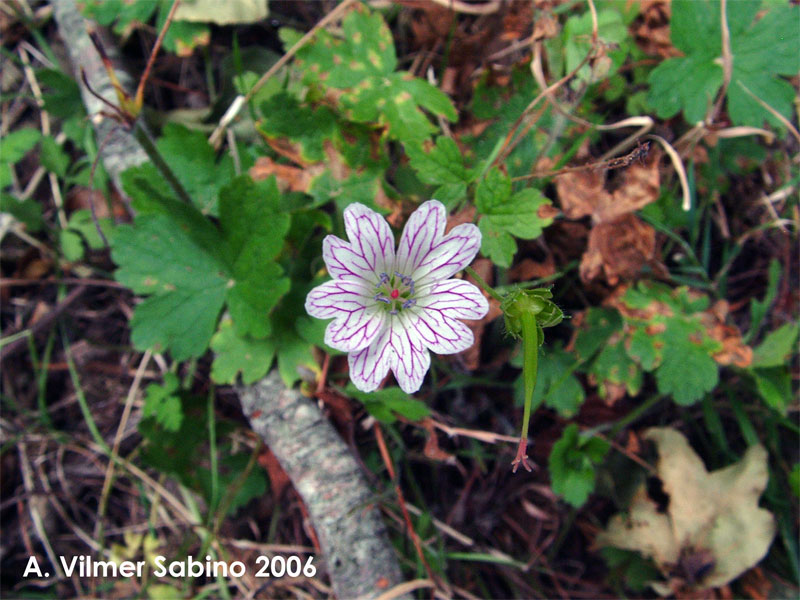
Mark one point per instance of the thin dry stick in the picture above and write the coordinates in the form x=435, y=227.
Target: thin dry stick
x=487, y=437
x=406, y=588
x=469, y=9
x=644, y=123
x=34, y=500
x=745, y=130
x=126, y=412
x=595, y=26
x=216, y=137
x=508, y=145
x=387, y=460
x=679, y=169
x=176, y=504
x=45, y=121
x=727, y=63
x=638, y=153
x=138, y=99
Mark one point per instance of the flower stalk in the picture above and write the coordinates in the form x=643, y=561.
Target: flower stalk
x=526, y=313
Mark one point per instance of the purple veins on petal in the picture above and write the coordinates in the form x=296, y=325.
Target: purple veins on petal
x=343, y=262
x=422, y=231
x=456, y=298
x=370, y=236
x=336, y=298
x=410, y=359
x=355, y=331
x=370, y=365
x=449, y=255
x=441, y=334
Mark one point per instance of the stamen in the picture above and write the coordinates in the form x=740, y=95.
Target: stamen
x=382, y=298
x=409, y=303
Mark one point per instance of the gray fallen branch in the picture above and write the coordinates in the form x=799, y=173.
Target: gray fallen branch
x=357, y=552
x=118, y=149
x=360, y=559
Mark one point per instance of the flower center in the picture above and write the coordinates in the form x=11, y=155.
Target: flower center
x=396, y=291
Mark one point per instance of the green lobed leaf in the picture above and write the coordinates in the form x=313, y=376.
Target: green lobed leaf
x=309, y=127
x=599, y=325
x=442, y=164
x=365, y=50
x=18, y=143
x=504, y=215
x=28, y=211
x=82, y=230
x=234, y=354
x=613, y=367
x=687, y=372
x=556, y=385
x=774, y=385
x=163, y=403
x=61, y=94
x=254, y=233
x=381, y=404
x=776, y=348
x=187, y=285
x=572, y=465
x=762, y=50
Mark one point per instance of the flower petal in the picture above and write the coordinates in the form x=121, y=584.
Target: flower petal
x=450, y=255
x=337, y=298
x=356, y=331
x=423, y=230
x=440, y=333
x=411, y=359
x=357, y=319
x=369, y=366
x=454, y=298
x=370, y=236
x=344, y=263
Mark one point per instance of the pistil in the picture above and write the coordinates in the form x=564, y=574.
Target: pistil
x=396, y=290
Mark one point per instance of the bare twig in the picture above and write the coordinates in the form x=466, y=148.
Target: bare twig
x=679, y=169
x=45, y=124
x=359, y=557
x=469, y=9
x=123, y=422
x=151, y=59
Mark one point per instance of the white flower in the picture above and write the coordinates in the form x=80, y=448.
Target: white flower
x=390, y=309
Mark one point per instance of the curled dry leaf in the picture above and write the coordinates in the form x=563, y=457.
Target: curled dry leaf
x=618, y=249
x=710, y=516
x=619, y=242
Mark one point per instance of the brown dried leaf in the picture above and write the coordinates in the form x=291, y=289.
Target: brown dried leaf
x=734, y=350
x=640, y=186
x=291, y=178
x=581, y=192
x=528, y=269
x=618, y=249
